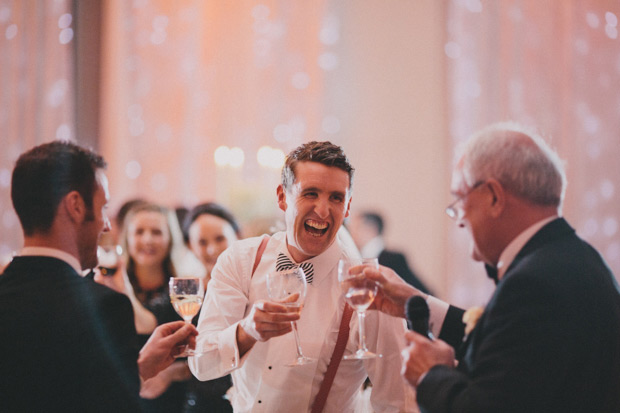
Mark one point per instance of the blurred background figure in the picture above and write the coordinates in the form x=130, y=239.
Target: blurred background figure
x=149, y=237
x=208, y=229
x=366, y=229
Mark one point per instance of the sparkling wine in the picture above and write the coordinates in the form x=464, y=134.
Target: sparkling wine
x=187, y=306
x=359, y=292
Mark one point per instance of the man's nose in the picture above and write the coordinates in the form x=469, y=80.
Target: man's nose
x=322, y=207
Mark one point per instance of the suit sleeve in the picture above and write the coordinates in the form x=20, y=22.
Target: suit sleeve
x=453, y=328
x=114, y=325
x=501, y=371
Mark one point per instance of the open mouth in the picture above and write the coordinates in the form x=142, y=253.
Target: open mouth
x=316, y=228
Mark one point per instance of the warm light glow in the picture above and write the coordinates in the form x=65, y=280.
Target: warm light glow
x=237, y=157
x=222, y=156
x=270, y=157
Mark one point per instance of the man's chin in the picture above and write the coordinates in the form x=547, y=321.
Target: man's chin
x=314, y=246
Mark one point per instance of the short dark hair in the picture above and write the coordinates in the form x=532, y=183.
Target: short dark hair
x=208, y=208
x=325, y=153
x=374, y=219
x=45, y=174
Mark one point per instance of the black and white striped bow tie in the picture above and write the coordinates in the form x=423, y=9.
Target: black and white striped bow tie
x=284, y=263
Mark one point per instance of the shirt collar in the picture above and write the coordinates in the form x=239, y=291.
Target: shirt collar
x=373, y=248
x=511, y=251
x=54, y=253
x=323, y=263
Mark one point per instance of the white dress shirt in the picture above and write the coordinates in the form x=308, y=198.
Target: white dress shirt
x=262, y=382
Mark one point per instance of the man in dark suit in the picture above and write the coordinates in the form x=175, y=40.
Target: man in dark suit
x=367, y=229
x=68, y=343
x=549, y=338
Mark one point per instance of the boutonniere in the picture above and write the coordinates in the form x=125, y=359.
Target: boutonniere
x=471, y=317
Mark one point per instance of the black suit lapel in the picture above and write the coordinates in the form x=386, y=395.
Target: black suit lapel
x=555, y=229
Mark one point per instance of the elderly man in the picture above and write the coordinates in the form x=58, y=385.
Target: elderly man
x=68, y=343
x=243, y=333
x=549, y=338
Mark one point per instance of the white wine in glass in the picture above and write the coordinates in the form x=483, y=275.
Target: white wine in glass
x=186, y=295
x=359, y=292
x=289, y=288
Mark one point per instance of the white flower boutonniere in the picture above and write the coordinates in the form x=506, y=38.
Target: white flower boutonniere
x=471, y=317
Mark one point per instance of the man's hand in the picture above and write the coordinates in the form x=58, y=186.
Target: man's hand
x=266, y=320
x=393, y=291
x=157, y=385
x=167, y=341
x=119, y=281
x=421, y=354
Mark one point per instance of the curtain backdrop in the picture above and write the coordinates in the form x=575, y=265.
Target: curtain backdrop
x=552, y=65
x=184, y=78
x=398, y=83
x=36, y=91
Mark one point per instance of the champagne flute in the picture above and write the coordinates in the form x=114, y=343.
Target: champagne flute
x=109, y=257
x=359, y=292
x=281, y=286
x=186, y=294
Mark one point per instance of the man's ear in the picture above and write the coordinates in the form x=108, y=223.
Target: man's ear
x=348, y=210
x=74, y=206
x=498, y=200
x=281, y=197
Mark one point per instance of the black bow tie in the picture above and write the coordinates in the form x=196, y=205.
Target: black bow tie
x=284, y=263
x=491, y=272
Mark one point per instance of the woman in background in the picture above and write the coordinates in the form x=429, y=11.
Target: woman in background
x=208, y=229
x=150, y=234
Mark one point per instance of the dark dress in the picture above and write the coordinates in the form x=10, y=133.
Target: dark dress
x=188, y=396
x=158, y=302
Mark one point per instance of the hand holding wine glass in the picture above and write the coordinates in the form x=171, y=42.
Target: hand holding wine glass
x=109, y=258
x=186, y=295
x=359, y=292
x=289, y=288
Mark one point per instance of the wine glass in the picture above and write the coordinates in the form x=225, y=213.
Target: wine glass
x=186, y=294
x=108, y=257
x=359, y=292
x=284, y=287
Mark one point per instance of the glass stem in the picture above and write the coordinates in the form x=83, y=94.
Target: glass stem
x=299, y=353
x=360, y=317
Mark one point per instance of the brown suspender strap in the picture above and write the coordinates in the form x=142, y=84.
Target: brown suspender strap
x=259, y=253
x=341, y=344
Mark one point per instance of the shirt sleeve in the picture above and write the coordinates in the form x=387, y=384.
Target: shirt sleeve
x=390, y=393
x=438, y=310
x=225, y=305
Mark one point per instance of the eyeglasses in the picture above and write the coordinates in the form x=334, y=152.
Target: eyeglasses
x=457, y=213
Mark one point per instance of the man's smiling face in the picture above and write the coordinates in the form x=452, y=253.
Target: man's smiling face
x=315, y=208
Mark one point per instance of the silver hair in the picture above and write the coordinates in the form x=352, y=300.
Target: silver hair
x=519, y=159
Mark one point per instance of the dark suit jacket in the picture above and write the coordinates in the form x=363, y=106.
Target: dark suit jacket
x=66, y=343
x=398, y=262
x=548, y=341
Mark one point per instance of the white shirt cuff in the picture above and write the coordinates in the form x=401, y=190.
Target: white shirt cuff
x=438, y=310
